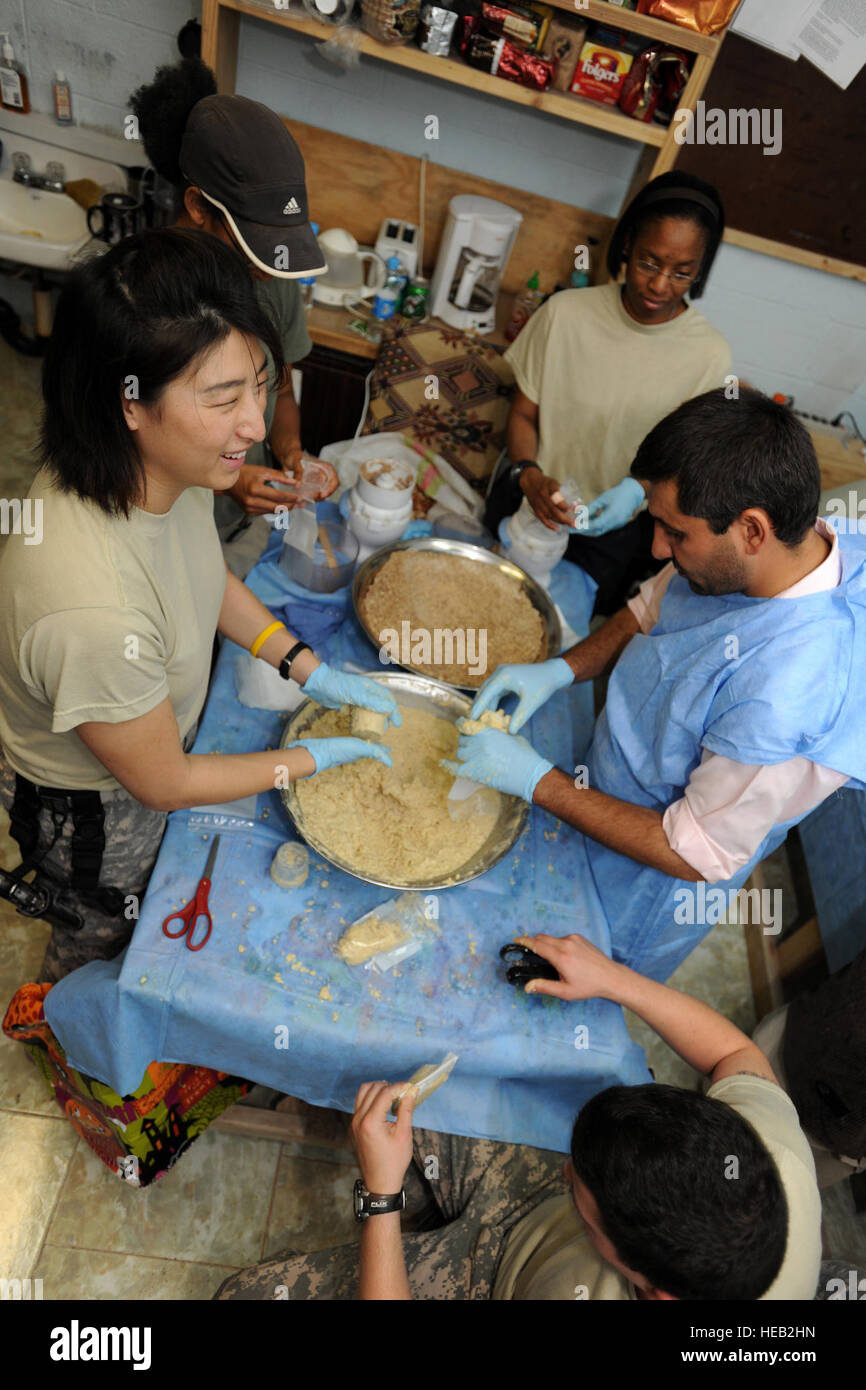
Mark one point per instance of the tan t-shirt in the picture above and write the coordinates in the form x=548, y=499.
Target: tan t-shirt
x=601, y=381
x=549, y=1254
x=103, y=620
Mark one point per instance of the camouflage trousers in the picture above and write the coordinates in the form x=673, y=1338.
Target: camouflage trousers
x=474, y=1190
x=132, y=839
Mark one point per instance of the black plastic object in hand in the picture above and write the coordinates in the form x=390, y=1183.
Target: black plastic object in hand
x=525, y=965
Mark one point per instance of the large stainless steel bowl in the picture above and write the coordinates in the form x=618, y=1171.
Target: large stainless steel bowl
x=437, y=698
x=538, y=597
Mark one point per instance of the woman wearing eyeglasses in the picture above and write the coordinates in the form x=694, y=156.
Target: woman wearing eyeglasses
x=596, y=369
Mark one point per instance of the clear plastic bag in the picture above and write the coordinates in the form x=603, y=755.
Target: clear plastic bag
x=427, y=1079
x=389, y=933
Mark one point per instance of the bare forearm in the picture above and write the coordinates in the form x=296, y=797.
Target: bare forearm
x=521, y=437
x=700, y=1034
x=243, y=617
x=597, y=654
x=383, y=1268
x=208, y=779
x=635, y=831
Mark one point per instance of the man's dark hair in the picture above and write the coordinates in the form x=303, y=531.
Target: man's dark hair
x=163, y=108
x=659, y=1162
x=675, y=194
x=727, y=455
x=132, y=321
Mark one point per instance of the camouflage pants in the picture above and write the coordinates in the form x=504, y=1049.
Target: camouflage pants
x=476, y=1190
x=132, y=840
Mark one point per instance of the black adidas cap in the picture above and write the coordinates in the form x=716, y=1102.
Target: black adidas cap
x=246, y=163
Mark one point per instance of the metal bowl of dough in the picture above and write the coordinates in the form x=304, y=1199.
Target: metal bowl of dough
x=538, y=597
x=437, y=698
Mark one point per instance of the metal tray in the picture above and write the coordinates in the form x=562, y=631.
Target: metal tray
x=436, y=697
x=537, y=596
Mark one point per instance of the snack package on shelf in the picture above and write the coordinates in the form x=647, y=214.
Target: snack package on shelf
x=655, y=84
x=525, y=25
x=701, y=16
x=436, y=30
x=600, y=73
x=502, y=58
x=390, y=21
x=563, y=42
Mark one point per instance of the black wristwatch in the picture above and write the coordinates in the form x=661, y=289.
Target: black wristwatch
x=285, y=665
x=517, y=469
x=375, y=1203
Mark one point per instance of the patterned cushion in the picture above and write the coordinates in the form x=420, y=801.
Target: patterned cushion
x=445, y=389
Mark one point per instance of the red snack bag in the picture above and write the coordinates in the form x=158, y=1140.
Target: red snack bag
x=655, y=72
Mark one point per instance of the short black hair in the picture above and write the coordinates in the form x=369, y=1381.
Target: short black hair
x=686, y=1191
x=142, y=313
x=728, y=454
x=163, y=107
x=675, y=194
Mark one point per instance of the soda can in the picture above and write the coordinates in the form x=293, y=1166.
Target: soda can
x=414, y=305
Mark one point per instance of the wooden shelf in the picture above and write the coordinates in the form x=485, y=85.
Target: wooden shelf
x=562, y=104
x=615, y=15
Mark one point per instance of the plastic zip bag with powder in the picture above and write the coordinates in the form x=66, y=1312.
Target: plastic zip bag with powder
x=387, y=934
x=427, y=1079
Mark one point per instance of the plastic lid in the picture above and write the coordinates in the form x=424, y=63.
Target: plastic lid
x=393, y=262
x=59, y=75
x=8, y=52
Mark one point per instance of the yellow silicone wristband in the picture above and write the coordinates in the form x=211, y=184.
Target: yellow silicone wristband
x=263, y=637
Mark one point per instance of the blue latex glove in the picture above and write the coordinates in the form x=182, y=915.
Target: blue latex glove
x=499, y=760
x=613, y=508
x=335, y=688
x=533, y=681
x=334, y=752
x=417, y=528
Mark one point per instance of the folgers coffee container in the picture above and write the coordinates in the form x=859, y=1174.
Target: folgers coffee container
x=601, y=70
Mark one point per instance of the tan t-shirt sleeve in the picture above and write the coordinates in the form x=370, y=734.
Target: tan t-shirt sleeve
x=718, y=366
x=771, y=1113
x=100, y=664
x=528, y=351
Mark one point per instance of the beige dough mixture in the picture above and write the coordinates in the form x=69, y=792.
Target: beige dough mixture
x=444, y=592
x=393, y=822
x=490, y=719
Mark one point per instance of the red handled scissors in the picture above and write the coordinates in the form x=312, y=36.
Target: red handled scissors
x=196, y=908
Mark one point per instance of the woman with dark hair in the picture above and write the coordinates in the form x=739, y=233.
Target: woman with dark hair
x=597, y=368
x=238, y=174
x=154, y=386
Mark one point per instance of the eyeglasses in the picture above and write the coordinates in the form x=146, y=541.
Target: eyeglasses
x=680, y=280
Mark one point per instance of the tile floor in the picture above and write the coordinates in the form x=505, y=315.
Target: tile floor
x=66, y=1219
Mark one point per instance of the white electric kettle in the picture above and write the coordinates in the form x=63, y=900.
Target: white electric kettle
x=344, y=283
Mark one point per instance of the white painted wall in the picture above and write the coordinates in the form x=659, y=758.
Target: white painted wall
x=791, y=329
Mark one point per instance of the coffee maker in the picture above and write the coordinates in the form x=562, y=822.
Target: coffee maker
x=477, y=241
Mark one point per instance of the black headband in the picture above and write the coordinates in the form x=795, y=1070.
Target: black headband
x=666, y=195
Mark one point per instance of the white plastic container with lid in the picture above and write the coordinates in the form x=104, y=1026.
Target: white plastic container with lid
x=377, y=526
x=386, y=483
x=532, y=545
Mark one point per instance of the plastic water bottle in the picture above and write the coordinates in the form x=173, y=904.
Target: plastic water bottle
x=385, y=302
x=306, y=284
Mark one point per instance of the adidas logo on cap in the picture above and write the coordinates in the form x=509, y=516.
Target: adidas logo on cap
x=291, y=206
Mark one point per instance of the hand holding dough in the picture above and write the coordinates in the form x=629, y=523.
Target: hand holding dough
x=490, y=719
